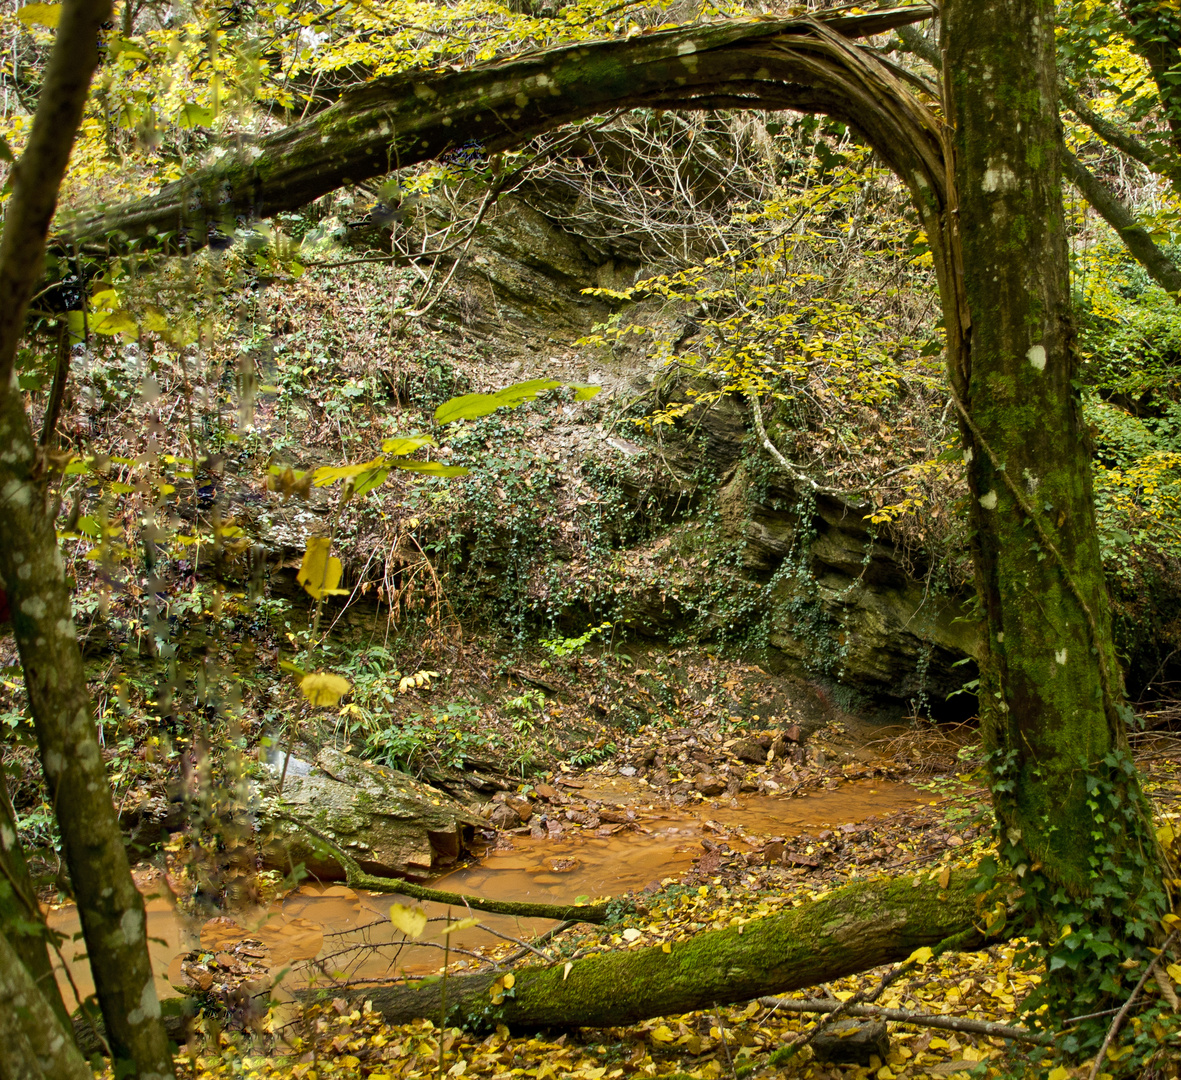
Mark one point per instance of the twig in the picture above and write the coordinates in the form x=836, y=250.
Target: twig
x=842, y=1008
x=517, y=941
x=549, y=935
x=905, y=1016
x=1120, y=1016
x=725, y=1044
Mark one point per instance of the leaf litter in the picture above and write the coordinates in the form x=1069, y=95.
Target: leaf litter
x=347, y=1039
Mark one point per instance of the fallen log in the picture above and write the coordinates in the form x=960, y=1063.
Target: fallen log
x=853, y=929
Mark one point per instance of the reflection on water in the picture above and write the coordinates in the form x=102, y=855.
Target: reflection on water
x=350, y=934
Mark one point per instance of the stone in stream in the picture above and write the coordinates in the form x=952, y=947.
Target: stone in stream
x=391, y=823
x=709, y=785
x=852, y=1041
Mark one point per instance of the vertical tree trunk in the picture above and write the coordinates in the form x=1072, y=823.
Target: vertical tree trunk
x=31, y=569
x=20, y=917
x=1070, y=812
x=34, y=1045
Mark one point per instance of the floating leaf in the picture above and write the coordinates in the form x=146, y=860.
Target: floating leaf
x=113, y=322
x=192, y=115
x=467, y=924
x=410, y=920
x=324, y=688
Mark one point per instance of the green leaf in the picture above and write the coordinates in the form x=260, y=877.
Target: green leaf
x=331, y=474
x=192, y=115
x=402, y=447
x=473, y=406
x=432, y=468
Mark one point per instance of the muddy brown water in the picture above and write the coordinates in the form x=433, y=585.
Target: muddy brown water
x=350, y=933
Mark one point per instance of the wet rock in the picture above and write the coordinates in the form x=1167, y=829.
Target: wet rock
x=709, y=785
x=749, y=750
x=853, y=1042
x=504, y=816
x=522, y=807
x=391, y=823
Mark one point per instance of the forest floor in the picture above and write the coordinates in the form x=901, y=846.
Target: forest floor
x=739, y=874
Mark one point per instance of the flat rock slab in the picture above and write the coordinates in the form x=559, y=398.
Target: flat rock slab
x=853, y=1041
x=391, y=823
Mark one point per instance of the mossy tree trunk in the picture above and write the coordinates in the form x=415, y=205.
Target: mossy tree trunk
x=33, y=573
x=21, y=921
x=1070, y=811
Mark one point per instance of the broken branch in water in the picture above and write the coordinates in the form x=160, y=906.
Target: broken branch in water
x=359, y=879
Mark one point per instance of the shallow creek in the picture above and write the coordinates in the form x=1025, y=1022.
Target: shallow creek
x=331, y=921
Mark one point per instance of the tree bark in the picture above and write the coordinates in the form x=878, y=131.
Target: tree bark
x=1051, y=697
x=795, y=63
x=33, y=574
x=34, y=1045
x=21, y=921
x=853, y=929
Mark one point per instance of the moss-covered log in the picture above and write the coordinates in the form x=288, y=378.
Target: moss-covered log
x=852, y=929
x=389, y=123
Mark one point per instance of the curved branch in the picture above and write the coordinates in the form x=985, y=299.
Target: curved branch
x=796, y=63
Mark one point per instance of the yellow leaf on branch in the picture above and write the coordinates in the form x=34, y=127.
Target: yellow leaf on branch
x=319, y=572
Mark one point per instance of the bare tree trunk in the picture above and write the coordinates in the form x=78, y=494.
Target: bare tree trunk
x=32, y=572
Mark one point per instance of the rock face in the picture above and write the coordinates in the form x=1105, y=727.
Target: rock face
x=389, y=822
